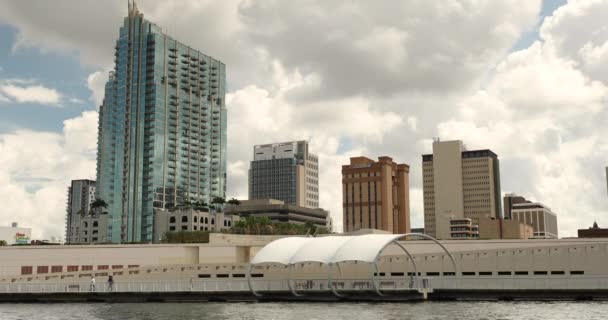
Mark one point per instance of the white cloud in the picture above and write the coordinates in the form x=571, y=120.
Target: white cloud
x=96, y=82
x=37, y=168
x=31, y=94
x=383, y=76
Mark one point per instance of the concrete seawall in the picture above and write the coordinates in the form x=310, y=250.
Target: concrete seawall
x=437, y=295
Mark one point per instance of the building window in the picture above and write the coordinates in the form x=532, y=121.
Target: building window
x=26, y=270
x=172, y=220
x=85, y=224
x=117, y=266
x=42, y=269
x=72, y=268
x=184, y=227
x=55, y=269
x=195, y=219
x=100, y=267
x=95, y=224
x=86, y=268
x=184, y=219
x=172, y=228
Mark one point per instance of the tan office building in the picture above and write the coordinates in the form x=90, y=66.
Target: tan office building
x=375, y=195
x=496, y=228
x=458, y=184
x=539, y=216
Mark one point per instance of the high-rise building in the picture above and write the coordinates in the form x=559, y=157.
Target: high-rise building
x=376, y=195
x=539, y=216
x=458, y=184
x=81, y=193
x=285, y=171
x=162, y=129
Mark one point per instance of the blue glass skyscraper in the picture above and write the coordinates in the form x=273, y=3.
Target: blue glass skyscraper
x=162, y=129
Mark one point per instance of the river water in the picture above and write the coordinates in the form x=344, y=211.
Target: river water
x=268, y=311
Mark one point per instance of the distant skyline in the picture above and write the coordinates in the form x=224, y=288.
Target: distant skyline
x=528, y=80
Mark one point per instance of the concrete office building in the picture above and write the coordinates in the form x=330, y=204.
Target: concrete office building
x=279, y=211
x=539, y=216
x=81, y=193
x=376, y=195
x=593, y=232
x=498, y=228
x=162, y=129
x=509, y=200
x=463, y=228
x=458, y=184
x=190, y=220
x=285, y=171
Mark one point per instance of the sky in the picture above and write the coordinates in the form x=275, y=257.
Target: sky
x=527, y=79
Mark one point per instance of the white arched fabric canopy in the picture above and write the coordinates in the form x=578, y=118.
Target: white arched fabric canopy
x=332, y=250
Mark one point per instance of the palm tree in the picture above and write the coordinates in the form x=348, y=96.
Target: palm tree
x=234, y=202
x=218, y=202
x=201, y=205
x=97, y=204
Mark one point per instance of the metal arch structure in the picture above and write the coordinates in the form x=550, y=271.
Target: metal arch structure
x=373, y=275
x=331, y=251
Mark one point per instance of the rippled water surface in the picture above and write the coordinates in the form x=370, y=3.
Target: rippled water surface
x=419, y=311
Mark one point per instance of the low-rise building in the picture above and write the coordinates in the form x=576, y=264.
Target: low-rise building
x=463, y=228
x=91, y=228
x=491, y=228
x=593, y=232
x=539, y=216
x=15, y=235
x=279, y=211
x=190, y=220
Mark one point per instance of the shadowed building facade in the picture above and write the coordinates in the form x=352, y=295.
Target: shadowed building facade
x=285, y=171
x=162, y=129
x=459, y=184
x=376, y=195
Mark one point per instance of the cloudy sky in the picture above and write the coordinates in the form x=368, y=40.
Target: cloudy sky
x=527, y=79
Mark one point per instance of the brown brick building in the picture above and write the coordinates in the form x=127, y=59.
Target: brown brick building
x=594, y=232
x=376, y=195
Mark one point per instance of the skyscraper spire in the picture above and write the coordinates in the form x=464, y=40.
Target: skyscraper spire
x=132, y=5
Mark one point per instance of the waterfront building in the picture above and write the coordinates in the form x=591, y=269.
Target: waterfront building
x=593, y=232
x=458, y=184
x=285, y=171
x=14, y=234
x=279, y=211
x=188, y=219
x=162, y=129
x=376, y=195
x=225, y=258
x=499, y=228
x=539, y=216
x=81, y=193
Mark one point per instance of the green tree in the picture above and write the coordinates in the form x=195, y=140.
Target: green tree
x=98, y=204
x=218, y=202
x=2, y=243
x=201, y=206
x=234, y=202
